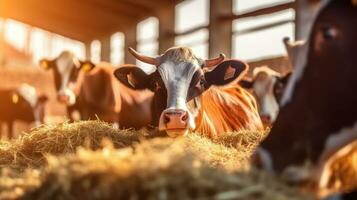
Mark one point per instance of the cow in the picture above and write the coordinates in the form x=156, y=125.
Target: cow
x=21, y=104
x=267, y=86
x=192, y=94
x=319, y=116
x=93, y=91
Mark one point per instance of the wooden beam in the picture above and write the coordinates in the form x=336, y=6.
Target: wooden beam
x=130, y=41
x=122, y=8
x=105, y=49
x=220, y=32
x=259, y=12
x=192, y=30
x=166, y=18
x=87, y=14
x=88, y=50
x=151, y=5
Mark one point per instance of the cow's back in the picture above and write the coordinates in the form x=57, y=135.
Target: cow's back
x=228, y=109
x=106, y=96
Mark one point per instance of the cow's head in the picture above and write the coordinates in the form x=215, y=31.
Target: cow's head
x=28, y=101
x=179, y=79
x=267, y=86
x=66, y=68
x=323, y=100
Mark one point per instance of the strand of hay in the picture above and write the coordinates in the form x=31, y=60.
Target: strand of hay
x=156, y=169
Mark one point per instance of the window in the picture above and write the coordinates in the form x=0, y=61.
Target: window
x=261, y=37
x=16, y=33
x=147, y=39
x=190, y=15
x=117, y=48
x=95, y=48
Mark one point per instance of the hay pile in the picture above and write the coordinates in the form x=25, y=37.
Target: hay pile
x=159, y=168
x=156, y=169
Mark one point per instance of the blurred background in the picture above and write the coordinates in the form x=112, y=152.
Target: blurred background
x=102, y=30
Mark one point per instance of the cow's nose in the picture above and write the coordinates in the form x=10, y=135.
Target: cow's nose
x=63, y=98
x=175, y=119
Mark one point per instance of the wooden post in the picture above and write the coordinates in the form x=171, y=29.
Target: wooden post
x=88, y=50
x=130, y=41
x=166, y=18
x=220, y=31
x=105, y=49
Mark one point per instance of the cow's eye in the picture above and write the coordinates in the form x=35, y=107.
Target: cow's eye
x=328, y=32
x=200, y=83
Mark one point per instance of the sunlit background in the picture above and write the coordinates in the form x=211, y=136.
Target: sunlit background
x=251, y=39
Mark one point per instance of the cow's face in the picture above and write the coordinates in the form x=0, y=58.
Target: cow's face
x=323, y=99
x=267, y=86
x=29, y=103
x=180, y=78
x=66, y=68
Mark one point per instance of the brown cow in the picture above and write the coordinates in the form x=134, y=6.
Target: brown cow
x=189, y=93
x=21, y=104
x=320, y=116
x=93, y=91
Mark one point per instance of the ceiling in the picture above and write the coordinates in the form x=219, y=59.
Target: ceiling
x=82, y=20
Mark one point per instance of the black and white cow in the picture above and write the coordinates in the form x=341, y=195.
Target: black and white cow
x=319, y=116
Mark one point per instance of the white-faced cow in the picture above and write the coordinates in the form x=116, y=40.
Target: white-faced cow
x=191, y=93
x=93, y=91
x=21, y=104
x=267, y=86
x=320, y=116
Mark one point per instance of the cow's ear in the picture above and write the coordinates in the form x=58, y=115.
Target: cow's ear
x=133, y=77
x=226, y=72
x=86, y=66
x=46, y=64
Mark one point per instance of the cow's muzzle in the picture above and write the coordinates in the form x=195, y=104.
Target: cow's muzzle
x=175, y=122
x=66, y=97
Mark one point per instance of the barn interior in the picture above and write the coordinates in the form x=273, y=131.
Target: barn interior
x=102, y=31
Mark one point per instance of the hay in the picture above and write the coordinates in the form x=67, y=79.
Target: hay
x=155, y=169
x=29, y=149
x=71, y=161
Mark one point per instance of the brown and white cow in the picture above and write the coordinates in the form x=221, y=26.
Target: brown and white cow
x=192, y=94
x=93, y=91
x=21, y=104
x=267, y=86
x=320, y=116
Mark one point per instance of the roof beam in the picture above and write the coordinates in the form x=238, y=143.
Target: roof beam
x=262, y=11
x=35, y=17
x=121, y=8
